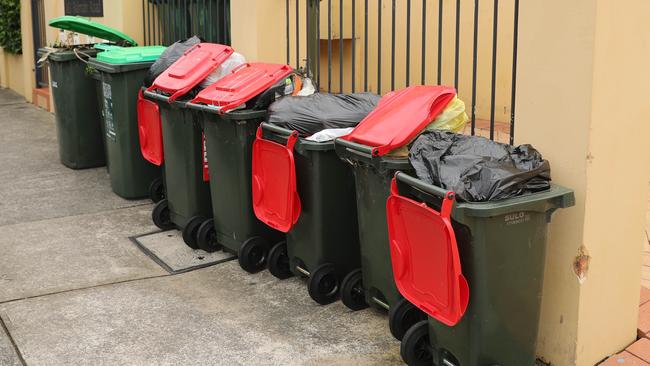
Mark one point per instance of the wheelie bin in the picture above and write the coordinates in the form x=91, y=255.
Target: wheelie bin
x=78, y=122
x=187, y=204
x=302, y=188
x=398, y=118
x=476, y=268
x=229, y=134
x=122, y=71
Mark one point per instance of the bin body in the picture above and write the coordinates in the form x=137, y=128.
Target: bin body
x=372, y=181
x=187, y=194
x=78, y=119
x=327, y=229
x=229, y=142
x=130, y=173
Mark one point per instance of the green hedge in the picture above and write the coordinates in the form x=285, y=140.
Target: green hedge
x=10, y=37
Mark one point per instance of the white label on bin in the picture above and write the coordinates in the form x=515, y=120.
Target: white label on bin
x=55, y=84
x=516, y=218
x=111, y=134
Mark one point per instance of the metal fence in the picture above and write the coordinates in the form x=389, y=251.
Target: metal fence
x=38, y=32
x=383, y=45
x=167, y=21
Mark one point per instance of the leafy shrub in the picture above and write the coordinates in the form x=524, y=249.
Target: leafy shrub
x=10, y=36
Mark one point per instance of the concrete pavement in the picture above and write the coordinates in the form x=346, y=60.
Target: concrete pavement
x=75, y=290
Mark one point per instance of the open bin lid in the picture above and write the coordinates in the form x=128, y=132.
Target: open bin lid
x=131, y=55
x=150, y=130
x=244, y=83
x=192, y=68
x=400, y=116
x=425, y=258
x=275, y=195
x=90, y=28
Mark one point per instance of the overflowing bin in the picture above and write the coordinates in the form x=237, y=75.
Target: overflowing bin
x=302, y=188
x=122, y=71
x=78, y=122
x=187, y=204
x=476, y=268
x=398, y=118
x=230, y=125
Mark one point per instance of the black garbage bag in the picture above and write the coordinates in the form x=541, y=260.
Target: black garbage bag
x=478, y=169
x=320, y=111
x=168, y=57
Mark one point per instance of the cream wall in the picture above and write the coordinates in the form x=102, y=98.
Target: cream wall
x=583, y=102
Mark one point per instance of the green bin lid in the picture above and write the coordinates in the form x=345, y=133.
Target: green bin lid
x=131, y=55
x=105, y=46
x=90, y=28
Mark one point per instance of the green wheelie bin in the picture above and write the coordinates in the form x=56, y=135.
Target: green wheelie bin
x=78, y=122
x=188, y=203
x=122, y=72
x=229, y=133
x=484, y=295
x=302, y=188
x=397, y=119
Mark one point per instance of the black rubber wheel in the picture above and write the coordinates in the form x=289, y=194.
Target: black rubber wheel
x=402, y=316
x=206, y=237
x=190, y=231
x=324, y=284
x=278, y=262
x=160, y=215
x=352, y=293
x=157, y=190
x=416, y=347
x=252, y=254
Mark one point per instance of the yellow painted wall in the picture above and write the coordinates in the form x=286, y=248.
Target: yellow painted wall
x=583, y=103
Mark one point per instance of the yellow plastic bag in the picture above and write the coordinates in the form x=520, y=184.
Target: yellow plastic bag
x=453, y=119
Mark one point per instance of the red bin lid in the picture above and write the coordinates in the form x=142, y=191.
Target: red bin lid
x=425, y=259
x=400, y=116
x=244, y=83
x=275, y=196
x=189, y=70
x=150, y=131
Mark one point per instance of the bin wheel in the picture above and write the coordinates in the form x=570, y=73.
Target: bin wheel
x=323, y=284
x=402, y=316
x=160, y=215
x=252, y=254
x=416, y=347
x=206, y=237
x=190, y=231
x=352, y=293
x=279, y=261
x=157, y=190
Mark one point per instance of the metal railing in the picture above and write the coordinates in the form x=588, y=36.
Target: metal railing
x=38, y=32
x=167, y=21
x=383, y=45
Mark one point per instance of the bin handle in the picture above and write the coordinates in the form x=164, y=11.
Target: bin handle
x=448, y=197
x=156, y=96
x=292, y=136
x=356, y=149
x=277, y=129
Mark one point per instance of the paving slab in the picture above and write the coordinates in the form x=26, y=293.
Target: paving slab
x=7, y=96
x=73, y=252
x=218, y=315
x=8, y=356
x=169, y=250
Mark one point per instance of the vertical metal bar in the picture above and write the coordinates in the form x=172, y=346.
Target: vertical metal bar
x=312, y=37
x=307, y=37
x=379, y=47
x=474, y=66
x=408, y=42
x=423, y=79
x=354, y=45
x=144, y=20
x=318, y=45
x=457, y=56
x=297, y=34
x=513, y=99
x=288, y=35
x=329, y=46
x=365, y=47
x=495, y=34
x=440, y=14
x=392, y=51
x=157, y=26
x=341, y=50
